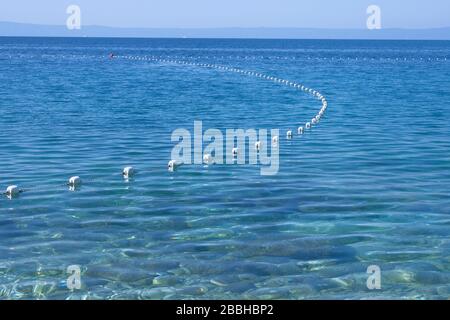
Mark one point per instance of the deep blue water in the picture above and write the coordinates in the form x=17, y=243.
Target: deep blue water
x=368, y=186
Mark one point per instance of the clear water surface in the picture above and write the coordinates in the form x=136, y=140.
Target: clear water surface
x=369, y=186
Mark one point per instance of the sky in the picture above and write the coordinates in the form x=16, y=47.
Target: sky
x=231, y=13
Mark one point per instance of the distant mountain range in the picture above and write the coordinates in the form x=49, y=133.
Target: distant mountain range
x=32, y=30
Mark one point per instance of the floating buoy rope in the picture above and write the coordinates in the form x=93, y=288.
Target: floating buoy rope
x=207, y=159
x=75, y=181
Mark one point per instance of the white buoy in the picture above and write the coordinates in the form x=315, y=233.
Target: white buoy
x=300, y=130
x=12, y=191
x=74, y=181
x=128, y=172
x=235, y=152
x=313, y=121
x=289, y=134
x=173, y=165
x=275, y=140
x=258, y=145
x=208, y=159
x=308, y=125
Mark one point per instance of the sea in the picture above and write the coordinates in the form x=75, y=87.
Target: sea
x=359, y=208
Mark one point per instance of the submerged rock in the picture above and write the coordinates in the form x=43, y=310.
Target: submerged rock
x=193, y=291
x=301, y=291
x=342, y=253
x=159, y=266
x=398, y=276
x=166, y=281
x=432, y=277
x=268, y=294
x=300, y=249
x=240, y=287
x=157, y=293
x=444, y=291
x=218, y=283
x=42, y=290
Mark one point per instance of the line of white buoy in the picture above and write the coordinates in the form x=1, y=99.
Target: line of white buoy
x=292, y=84
x=207, y=158
x=75, y=181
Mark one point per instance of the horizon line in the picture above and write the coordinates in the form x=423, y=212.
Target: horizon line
x=229, y=27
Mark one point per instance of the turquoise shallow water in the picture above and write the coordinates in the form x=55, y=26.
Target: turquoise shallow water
x=368, y=186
